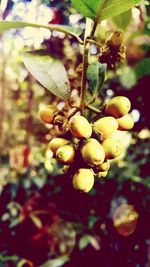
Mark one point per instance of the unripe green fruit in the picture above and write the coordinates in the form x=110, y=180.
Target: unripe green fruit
x=112, y=148
x=105, y=166
x=92, y=152
x=118, y=106
x=102, y=174
x=80, y=127
x=125, y=123
x=65, y=154
x=46, y=114
x=83, y=180
x=106, y=126
x=56, y=143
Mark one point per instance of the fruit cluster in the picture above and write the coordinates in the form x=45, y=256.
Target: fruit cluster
x=91, y=146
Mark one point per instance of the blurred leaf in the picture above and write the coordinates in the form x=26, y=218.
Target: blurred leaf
x=7, y=25
x=84, y=241
x=103, y=8
x=56, y=262
x=142, y=68
x=49, y=71
x=24, y=262
x=95, y=243
x=88, y=239
x=14, y=222
x=123, y=21
x=37, y=222
x=128, y=77
x=92, y=220
x=5, y=258
x=96, y=76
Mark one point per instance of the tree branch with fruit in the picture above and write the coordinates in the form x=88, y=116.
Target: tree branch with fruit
x=85, y=147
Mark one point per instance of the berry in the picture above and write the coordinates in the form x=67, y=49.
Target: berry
x=83, y=180
x=125, y=123
x=80, y=127
x=65, y=154
x=106, y=126
x=118, y=106
x=92, y=152
x=56, y=143
x=112, y=148
x=46, y=114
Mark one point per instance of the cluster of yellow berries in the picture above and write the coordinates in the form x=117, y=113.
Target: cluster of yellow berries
x=91, y=146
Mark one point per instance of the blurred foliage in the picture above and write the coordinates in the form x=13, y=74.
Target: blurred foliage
x=43, y=221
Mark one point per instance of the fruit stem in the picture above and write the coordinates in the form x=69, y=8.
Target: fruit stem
x=73, y=113
x=95, y=110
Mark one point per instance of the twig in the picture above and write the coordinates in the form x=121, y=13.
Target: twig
x=93, y=42
x=95, y=110
x=73, y=113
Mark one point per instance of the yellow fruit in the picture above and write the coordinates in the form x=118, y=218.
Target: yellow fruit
x=104, y=166
x=118, y=106
x=83, y=180
x=92, y=152
x=102, y=174
x=106, y=126
x=65, y=154
x=112, y=148
x=56, y=143
x=46, y=114
x=125, y=123
x=80, y=127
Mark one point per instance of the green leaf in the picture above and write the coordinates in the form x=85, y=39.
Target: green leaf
x=123, y=21
x=103, y=9
x=49, y=71
x=60, y=261
x=96, y=76
x=8, y=25
x=142, y=68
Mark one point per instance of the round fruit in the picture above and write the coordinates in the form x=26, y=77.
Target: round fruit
x=118, y=106
x=106, y=126
x=56, y=143
x=125, y=123
x=80, y=127
x=102, y=174
x=65, y=154
x=104, y=166
x=112, y=148
x=92, y=152
x=83, y=180
x=46, y=114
